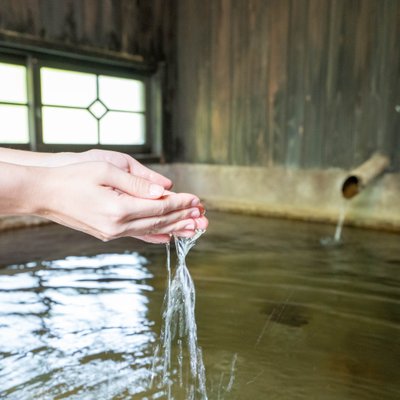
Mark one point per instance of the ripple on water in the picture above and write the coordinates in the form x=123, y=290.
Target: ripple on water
x=304, y=321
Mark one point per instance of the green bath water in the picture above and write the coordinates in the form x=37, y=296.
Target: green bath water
x=279, y=316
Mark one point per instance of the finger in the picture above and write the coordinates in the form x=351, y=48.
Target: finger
x=200, y=205
x=202, y=209
x=158, y=222
x=138, y=169
x=166, y=238
x=202, y=223
x=131, y=184
x=148, y=227
x=184, y=233
x=157, y=239
x=142, y=208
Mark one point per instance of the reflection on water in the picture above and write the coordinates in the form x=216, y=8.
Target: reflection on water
x=75, y=328
x=279, y=316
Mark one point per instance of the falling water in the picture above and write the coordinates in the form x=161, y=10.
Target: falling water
x=336, y=239
x=179, y=323
x=339, y=226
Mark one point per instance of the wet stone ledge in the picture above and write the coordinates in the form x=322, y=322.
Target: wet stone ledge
x=310, y=195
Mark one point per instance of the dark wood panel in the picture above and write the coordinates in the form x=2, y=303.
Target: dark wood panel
x=124, y=26
x=296, y=83
x=194, y=74
x=220, y=83
x=314, y=130
x=298, y=93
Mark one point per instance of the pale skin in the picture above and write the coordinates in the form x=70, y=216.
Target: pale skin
x=106, y=194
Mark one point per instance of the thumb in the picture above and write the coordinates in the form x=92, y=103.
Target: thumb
x=131, y=184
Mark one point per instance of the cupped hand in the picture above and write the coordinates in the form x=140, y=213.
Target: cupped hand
x=107, y=201
x=120, y=160
x=201, y=223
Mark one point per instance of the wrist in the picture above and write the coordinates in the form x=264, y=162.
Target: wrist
x=61, y=159
x=19, y=187
x=32, y=191
x=38, y=190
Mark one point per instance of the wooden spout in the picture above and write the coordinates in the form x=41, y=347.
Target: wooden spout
x=364, y=174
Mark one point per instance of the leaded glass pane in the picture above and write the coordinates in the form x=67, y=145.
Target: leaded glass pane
x=14, y=126
x=98, y=109
x=67, y=88
x=13, y=83
x=65, y=125
x=122, y=128
x=121, y=94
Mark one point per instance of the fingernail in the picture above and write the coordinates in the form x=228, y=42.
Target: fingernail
x=189, y=226
x=195, y=202
x=195, y=213
x=156, y=190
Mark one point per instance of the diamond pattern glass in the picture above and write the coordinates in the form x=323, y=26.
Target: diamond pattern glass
x=98, y=109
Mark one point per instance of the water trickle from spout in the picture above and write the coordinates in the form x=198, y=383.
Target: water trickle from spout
x=336, y=239
x=339, y=226
x=179, y=323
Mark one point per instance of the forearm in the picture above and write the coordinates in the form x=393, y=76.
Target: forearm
x=23, y=157
x=120, y=160
x=20, y=188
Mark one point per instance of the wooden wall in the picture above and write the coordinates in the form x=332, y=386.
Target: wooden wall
x=127, y=27
x=296, y=83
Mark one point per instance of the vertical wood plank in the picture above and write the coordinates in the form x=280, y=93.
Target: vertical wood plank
x=278, y=21
x=237, y=59
x=220, y=80
x=258, y=136
x=391, y=131
x=125, y=26
x=315, y=90
x=298, y=48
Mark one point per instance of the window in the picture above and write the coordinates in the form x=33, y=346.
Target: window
x=48, y=104
x=14, y=126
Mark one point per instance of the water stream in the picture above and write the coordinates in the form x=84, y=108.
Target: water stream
x=337, y=237
x=180, y=330
x=339, y=226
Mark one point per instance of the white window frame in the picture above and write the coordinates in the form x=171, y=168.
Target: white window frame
x=34, y=60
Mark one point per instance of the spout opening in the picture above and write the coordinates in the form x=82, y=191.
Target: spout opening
x=351, y=186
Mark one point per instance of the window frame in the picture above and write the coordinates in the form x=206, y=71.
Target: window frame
x=33, y=60
x=20, y=60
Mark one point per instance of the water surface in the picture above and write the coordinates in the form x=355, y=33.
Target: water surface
x=79, y=318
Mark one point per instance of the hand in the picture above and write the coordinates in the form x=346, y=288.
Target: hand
x=120, y=160
x=137, y=208
x=33, y=159
x=129, y=164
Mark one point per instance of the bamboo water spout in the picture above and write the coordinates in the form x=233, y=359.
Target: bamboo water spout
x=364, y=174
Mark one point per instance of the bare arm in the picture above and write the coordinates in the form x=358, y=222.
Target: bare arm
x=17, y=189
x=23, y=157
x=120, y=160
x=82, y=196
